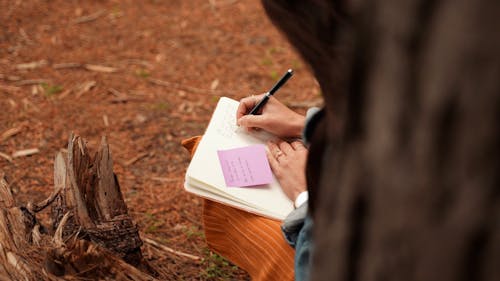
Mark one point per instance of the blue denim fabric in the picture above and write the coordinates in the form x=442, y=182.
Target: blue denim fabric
x=303, y=250
x=297, y=229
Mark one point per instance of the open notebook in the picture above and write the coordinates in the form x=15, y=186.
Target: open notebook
x=204, y=175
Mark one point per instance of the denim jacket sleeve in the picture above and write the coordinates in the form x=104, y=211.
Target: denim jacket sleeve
x=297, y=229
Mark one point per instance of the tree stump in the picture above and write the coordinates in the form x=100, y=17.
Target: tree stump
x=90, y=192
x=94, y=237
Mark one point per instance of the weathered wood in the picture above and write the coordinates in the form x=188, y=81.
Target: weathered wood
x=94, y=237
x=92, y=195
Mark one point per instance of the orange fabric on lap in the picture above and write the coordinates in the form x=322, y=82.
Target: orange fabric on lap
x=252, y=242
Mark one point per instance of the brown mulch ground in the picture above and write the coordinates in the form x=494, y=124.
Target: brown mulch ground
x=146, y=74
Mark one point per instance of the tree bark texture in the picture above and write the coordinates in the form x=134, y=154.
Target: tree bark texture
x=406, y=165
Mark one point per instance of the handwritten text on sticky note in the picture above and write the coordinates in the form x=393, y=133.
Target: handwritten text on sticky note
x=245, y=166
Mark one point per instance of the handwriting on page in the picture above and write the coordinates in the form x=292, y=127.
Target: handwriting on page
x=227, y=127
x=245, y=166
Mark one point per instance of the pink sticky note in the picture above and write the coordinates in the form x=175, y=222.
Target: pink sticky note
x=245, y=166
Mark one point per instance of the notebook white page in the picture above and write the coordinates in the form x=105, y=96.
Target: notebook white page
x=204, y=171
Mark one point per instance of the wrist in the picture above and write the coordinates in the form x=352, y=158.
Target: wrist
x=299, y=126
x=301, y=199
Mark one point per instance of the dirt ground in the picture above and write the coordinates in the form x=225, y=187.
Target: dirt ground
x=146, y=74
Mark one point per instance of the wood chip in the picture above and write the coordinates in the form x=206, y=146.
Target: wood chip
x=162, y=179
x=84, y=87
x=13, y=78
x=119, y=96
x=5, y=156
x=100, y=68
x=136, y=158
x=66, y=65
x=90, y=17
x=31, y=82
x=10, y=133
x=64, y=94
x=105, y=120
x=25, y=152
x=214, y=85
x=31, y=65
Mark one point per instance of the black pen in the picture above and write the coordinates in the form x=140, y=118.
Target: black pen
x=271, y=92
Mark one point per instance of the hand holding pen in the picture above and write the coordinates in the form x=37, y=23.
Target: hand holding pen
x=273, y=116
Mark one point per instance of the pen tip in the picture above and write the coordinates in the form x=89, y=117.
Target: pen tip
x=290, y=71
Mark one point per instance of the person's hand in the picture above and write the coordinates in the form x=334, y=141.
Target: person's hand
x=276, y=118
x=288, y=162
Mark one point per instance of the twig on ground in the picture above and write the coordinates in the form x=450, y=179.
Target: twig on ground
x=31, y=65
x=90, y=17
x=162, y=179
x=170, y=250
x=100, y=68
x=119, y=96
x=136, y=158
x=139, y=62
x=105, y=120
x=10, y=133
x=25, y=152
x=66, y=65
x=5, y=156
x=13, y=78
x=31, y=82
x=84, y=87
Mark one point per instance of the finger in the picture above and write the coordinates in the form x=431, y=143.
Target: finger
x=251, y=121
x=246, y=104
x=244, y=107
x=274, y=149
x=273, y=163
x=286, y=147
x=297, y=145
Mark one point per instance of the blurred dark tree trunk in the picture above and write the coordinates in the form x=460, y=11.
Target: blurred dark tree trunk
x=406, y=185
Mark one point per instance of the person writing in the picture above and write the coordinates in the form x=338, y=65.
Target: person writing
x=288, y=163
x=259, y=245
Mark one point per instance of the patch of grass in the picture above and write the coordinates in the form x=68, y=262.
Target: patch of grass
x=217, y=268
x=267, y=62
x=51, y=90
x=152, y=223
x=193, y=231
x=142, y=73
x=160, y=106
x=274, y=75
x=273, y=50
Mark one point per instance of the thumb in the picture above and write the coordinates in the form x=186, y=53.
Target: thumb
x=250, y=121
